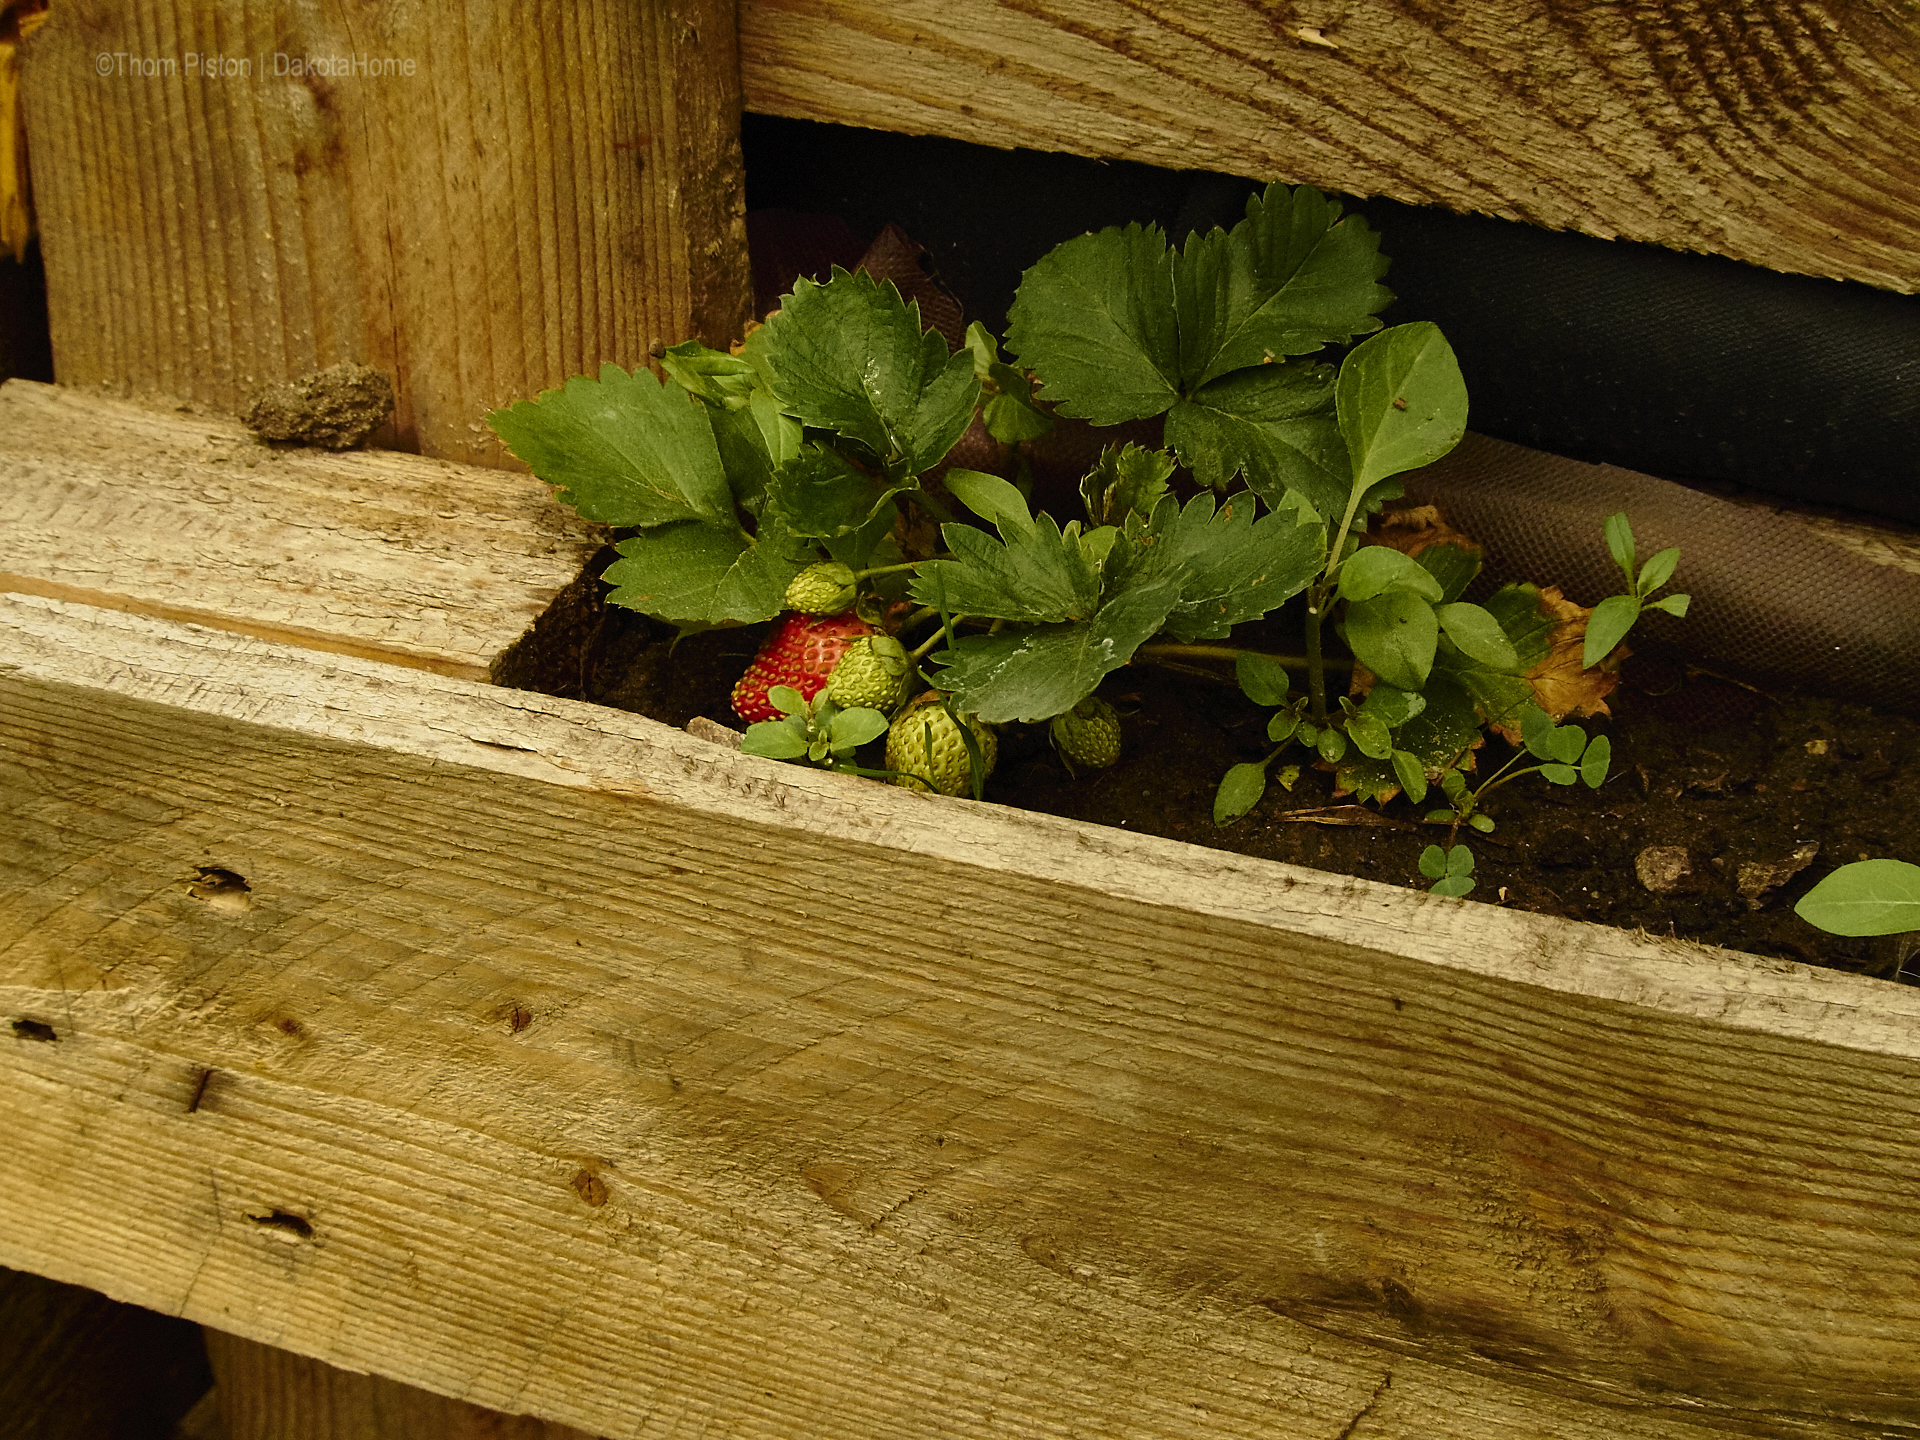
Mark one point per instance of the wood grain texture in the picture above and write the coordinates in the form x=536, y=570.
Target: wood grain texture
x=570, y=1065
x=75, y=1365
x=1779, y=134
x=414, y=561
x=271, y=1394
x=550, y=188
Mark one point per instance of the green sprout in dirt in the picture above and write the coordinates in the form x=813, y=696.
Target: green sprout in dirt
x=1567, y=757
x=815, y=733
x=1612, y=618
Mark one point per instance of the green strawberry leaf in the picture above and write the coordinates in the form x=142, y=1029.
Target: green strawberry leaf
x=991, y=498
x=821, y=494
x=1094, y=319
x=1127, y=479
x=624, y=449
x=1038, y=575
x=1394, y=635
x=850, y=356
x=1033, y=673
x=1868, y=897
x=713, y=375
x=1401, y=402
x=1230, y=567
x=696, y=575
x=1275, y=426
x=1290, y=278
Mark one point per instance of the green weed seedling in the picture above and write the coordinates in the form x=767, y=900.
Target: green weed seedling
x=1869, y=898
x=818, y=733
x=1613, y=617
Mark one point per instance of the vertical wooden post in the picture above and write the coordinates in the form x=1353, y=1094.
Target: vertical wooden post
x=480, y=198
x=269, y=1394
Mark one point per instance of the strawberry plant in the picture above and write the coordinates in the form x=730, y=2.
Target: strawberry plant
x=807, y=471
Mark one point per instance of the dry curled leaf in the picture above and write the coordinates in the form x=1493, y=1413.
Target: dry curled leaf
x=1563, y=687
x=1413, y=529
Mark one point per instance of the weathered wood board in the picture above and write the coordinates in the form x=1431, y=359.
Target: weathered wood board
x=569, y=1065
x=414, y=561
x=1780, y=135
x=480, y=199
x=272, y=1394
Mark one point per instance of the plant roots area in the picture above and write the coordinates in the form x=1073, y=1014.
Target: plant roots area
x=1724, y=805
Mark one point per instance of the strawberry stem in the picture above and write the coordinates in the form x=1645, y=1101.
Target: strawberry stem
x=1173, y=650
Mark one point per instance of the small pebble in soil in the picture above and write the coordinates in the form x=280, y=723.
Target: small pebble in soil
x=1663, y=869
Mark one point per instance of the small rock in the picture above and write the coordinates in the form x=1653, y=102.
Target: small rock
x=1663, y=869
x=1756, y=879
x=335, y=408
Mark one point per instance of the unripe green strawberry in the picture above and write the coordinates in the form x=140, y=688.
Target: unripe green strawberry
x=1087, y=736
x=925, y=745
x=823, y=589
x=872, y=673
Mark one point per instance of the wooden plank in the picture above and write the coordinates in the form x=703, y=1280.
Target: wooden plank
x=493, y=198
x=417, y=562
x=566, y=1064
x=1779, y=135
x=75, y=1365
x=274, y=1395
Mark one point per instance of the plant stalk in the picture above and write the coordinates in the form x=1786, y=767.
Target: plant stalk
x=1316, y=663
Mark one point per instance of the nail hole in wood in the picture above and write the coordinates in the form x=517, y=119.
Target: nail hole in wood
x=33, y=1030
x=284, y=1225
x=220, y=889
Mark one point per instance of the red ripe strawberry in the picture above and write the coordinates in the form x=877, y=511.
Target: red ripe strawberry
x=801, y=651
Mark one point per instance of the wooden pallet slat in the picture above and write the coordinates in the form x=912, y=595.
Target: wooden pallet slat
x=598, y=1072
x=1779, y=136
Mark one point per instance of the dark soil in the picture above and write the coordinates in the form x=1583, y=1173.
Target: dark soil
x=1730, y=776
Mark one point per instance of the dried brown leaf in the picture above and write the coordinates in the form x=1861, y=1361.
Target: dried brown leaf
x=1561, y=684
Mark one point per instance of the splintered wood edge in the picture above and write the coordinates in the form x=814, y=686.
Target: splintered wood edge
x=189, y=517
x=570, y=743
